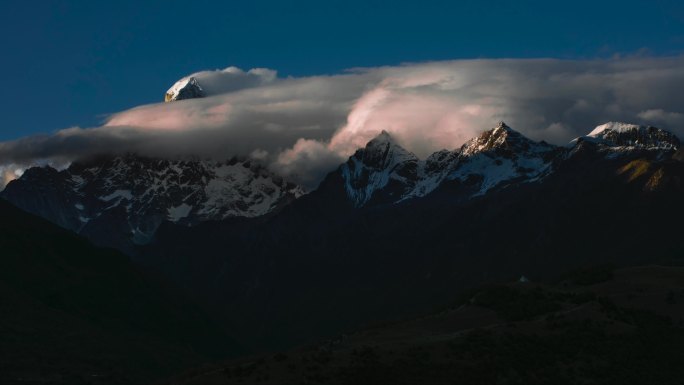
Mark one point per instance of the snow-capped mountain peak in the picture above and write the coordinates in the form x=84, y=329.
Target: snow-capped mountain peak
x=383, y=137
x=500, y=137
x=618, y=127
x=381, y=165
x=502, y=156
x=186, y=88
x=625, y=135
x=384, y=152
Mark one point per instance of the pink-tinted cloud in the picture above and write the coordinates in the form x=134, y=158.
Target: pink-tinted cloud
x=302, y=126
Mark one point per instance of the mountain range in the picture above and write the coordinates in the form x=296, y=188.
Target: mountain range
x=385, y=235
x=120, y=200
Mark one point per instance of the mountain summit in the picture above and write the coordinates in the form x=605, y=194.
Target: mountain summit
x=617, y=134
x=383, y=165
x=186, y=88
x=501, y=137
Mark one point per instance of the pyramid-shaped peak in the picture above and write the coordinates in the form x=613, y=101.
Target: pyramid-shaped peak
x=382, y=142
x=500, y=136
x=503, y=129
x=382, y=138
x=384, y=150
x=186, y=88
x=503, y=125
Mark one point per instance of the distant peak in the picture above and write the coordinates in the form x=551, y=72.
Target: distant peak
x=614, y=126
x=383, y=136
x=383, y=150
x=619, y=134
x=186, y=88
x=499, y=136
x=383, y=139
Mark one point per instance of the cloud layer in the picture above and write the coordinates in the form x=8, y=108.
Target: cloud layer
x=304, y=126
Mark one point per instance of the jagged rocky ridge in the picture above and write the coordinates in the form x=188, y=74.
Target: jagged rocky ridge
x=384, y=172
x=120, y=201
x=138, y=193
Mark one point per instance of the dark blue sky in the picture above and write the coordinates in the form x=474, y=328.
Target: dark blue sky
x=71, y=62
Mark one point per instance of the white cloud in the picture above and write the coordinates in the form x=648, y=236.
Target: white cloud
x=675, y=119
x=303, y=125
x=233, y=79
x=307, y=161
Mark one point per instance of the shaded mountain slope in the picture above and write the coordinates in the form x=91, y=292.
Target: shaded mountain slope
x=74, y=313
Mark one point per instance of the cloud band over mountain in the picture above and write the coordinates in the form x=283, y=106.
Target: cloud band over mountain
x=304, y=126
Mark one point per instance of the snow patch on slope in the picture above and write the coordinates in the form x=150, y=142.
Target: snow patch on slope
x=613, y=126
x=175, y=214
x=117, y=194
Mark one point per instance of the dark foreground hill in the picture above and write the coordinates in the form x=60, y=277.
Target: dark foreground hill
x=593, y=326
x=73, y=313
